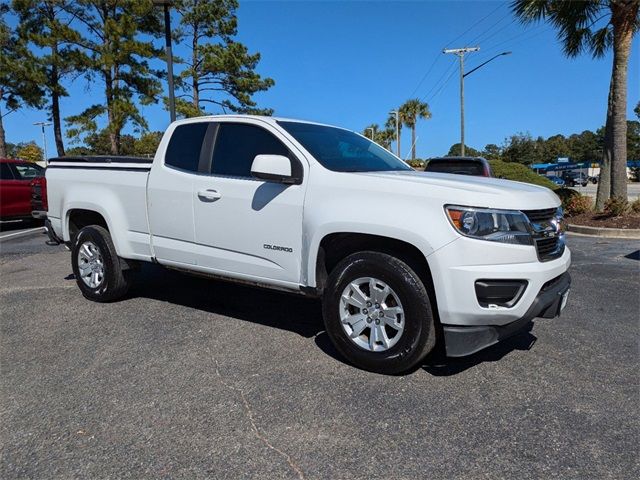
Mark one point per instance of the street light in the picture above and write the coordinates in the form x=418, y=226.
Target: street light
x=166, y=4
x=372, y=132
x=44, y=139
x=460, y=53
x=397, y=114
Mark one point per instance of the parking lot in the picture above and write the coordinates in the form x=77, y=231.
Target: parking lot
x=190, y=378
x=633, y=190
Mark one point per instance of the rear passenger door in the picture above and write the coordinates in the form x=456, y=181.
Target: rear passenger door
x=170, y=192
x=245, y=227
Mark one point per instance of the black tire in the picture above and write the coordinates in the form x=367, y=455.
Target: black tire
x=115, y=282
x=418, y=337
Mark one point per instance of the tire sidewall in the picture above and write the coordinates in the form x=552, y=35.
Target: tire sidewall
x=419, y=332
x=96, y=235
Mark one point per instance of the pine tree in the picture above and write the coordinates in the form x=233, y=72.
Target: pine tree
x=219, y=71
x=47, y=25
x=20, y=80
x=118, y=47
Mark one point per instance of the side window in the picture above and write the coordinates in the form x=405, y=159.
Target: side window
x=184, y=147
x=5, y=172
x=27, y=172
x=237, y=145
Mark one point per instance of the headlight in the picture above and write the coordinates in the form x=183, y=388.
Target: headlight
x=506, y=226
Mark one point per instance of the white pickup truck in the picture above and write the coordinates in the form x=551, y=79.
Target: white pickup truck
x=404, y=261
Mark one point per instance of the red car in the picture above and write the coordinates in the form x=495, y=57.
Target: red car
x=17, y=181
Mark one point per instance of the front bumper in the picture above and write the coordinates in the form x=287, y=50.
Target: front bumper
x=461, y=341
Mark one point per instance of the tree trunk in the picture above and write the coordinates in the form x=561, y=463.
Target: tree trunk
x=622, y=18
x=3, y=142
x=55, y=100
x=604, y=182
x=413, y=141
x=113, y=138
x=195, y=80
x=55, y=117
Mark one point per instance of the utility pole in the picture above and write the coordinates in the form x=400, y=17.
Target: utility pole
x=166, y=5
x=460, y=53
x=397, y=114
x=44, y=139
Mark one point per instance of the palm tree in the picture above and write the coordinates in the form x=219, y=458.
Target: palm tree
x=594, y=26
x=370, y=131
x=390, y=124
x=385, y=137
x=410, y=112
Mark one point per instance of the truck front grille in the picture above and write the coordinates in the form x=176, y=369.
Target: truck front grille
x=547, y=236
x=549, y=248
x=537, y=216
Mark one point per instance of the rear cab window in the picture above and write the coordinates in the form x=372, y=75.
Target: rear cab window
x=186, y=145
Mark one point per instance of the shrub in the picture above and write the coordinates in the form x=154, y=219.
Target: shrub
x=519, y=173
x=635, y=205
x=417, y=164
x=578, y=204
x=616, y=207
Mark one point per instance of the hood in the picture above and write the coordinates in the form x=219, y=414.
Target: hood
x=469, y=190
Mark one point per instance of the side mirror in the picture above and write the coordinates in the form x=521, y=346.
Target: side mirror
x=273, y=168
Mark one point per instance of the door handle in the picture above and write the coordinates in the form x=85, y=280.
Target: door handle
x=209, y=194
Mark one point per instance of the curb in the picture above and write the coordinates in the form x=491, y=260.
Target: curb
x=632, y=233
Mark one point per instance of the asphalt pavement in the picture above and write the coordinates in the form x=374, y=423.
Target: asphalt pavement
x=633, y=190
x=191, y=378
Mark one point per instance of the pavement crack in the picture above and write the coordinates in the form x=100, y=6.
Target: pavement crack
x=254, y=426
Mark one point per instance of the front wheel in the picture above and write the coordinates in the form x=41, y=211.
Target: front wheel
x=378, y=314
x=96, y=265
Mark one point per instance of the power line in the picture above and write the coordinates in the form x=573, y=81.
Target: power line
x=437, y=56
x=472, y=26
x=437, y=83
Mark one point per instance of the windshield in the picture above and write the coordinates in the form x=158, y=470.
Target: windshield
x=341, y=150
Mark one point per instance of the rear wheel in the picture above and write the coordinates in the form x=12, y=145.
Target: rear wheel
x=96, y=265
x=378, y=314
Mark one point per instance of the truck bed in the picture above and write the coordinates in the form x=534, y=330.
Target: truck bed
x=119, y=183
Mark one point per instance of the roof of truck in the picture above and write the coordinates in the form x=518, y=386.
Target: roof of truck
x=264, y=118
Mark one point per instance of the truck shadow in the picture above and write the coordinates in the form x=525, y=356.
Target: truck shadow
x=271, y=308
x=285, y=311
x=441, y=366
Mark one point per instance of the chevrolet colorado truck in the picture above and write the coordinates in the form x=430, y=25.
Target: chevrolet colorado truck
x=403, y=261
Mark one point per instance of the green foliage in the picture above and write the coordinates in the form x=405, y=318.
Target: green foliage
x=417, y=163
x=616, y=207
x=456, y=151
x=219, y=71
x=99, y=143
x=635, y=205
x=20, y=79
x=491, y=152
x=147, y=144
x=519, y=173
x=118, y=47
x=48, y=28
x=522, y=148
x=410, y=112
x=30, y=152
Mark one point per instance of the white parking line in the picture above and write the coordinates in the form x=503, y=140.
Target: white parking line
x=22, y=232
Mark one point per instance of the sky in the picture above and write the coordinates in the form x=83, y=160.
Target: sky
x=348, y=63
